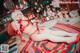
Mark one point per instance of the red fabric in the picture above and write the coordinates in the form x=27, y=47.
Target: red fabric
x=10, y=30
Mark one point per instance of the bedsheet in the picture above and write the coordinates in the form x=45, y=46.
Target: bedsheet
x=47, y=46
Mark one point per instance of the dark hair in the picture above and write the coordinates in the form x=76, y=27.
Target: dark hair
x=15, y=2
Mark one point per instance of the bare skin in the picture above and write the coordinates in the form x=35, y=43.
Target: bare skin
x=54, y=36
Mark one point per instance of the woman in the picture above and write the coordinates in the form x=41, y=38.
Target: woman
x=22, y=25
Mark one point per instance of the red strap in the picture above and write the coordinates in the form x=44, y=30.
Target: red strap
x=19, y=21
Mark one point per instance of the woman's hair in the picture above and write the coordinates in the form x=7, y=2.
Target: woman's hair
x=28, y=11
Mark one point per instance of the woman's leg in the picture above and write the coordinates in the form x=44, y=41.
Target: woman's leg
x=60, y=33
x=44, y=36
x=64, y=34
